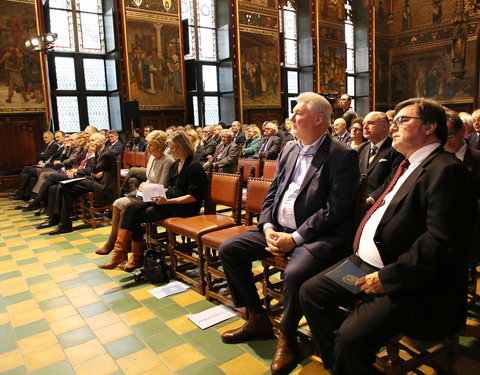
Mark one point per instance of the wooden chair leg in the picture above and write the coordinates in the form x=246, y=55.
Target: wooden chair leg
x=393, y=366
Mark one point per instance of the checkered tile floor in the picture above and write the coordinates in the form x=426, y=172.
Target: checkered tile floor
x=60, y=314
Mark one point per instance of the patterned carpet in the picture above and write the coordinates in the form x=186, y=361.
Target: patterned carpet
x=60, y=314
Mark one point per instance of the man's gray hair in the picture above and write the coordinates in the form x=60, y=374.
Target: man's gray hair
x=317, y=103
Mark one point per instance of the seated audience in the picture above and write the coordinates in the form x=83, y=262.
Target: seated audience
x=271, y=143
x=252, y=145
x=348, y=112
x=356, y=133
x=377, y=158
x=209, y=144
x=286, y=134
x=29, y=173
x=473, y=140
x=340, y=127
x=157, y=172
x=238, y=135
x=197, y=145
x=467, y=122
x=307, y=215
x=115, y=145
x=226, y=154
x=412, y=247
x=186, y=187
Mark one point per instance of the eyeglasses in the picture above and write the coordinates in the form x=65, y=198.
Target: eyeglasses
x=357, y=130
x=402, y=120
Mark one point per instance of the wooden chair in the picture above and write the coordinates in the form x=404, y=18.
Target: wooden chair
x=186, y=256
x=216, y=287
x=249, y=166
x=140, y=159
x=269, y=167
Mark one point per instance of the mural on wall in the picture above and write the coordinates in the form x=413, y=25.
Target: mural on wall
x=332, y=67
x=21, y=82
x=428, y=73
x=333, y=10
x=261, y=3
x=167, y=6
x=155, y=64
x=260, y=70
x=381, y=77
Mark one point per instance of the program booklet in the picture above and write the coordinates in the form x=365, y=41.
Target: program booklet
x=345, y=275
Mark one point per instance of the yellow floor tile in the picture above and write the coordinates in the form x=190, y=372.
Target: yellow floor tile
x=40, y=340
x=243, y=364
x=136, y=316
x=43, y=357
x=59, y=313
x=141, y=294
x=26, y=317
x=20, y=307
x=79, y=242
x=187, y=298
x=181, y=357
x=37, y=244
x=85, y=299
x=158, y=370
x=101, y=365
x=311, y=368
x=112, y=332
x=4, y=318
x=68, y=251
x=139, y=362
x=78, y=291
x=7, y=265
x=13, y=286
x=63, y=273
x=102, y=320
x=32, y=270
x=10, y=360
x=84, y=352
x=181, y=325
x=21, y=254
x=84, y=267
x=67, y=324
x=107, y=288
x=47, y=294
x=233, y=325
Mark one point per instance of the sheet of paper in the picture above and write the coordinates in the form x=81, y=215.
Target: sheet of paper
x=169, y=289
x=72, y=180
x=152, y=190
x=210, y=317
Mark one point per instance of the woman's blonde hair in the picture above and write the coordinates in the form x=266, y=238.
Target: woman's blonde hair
x=159, y=137
x=192, y=133
x=180, y=139
x=256, y=130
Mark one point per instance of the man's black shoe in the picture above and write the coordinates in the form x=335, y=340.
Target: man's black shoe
x=46, y=224
x=29, y=207
x=60, y=230
x=22, y=206
x=41, y=211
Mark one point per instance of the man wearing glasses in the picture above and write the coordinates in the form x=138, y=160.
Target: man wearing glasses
x=412, y=246
x=307, y=215
x=377, y=158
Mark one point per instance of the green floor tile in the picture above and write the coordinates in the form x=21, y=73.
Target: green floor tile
x=21, y=370
x=98, y=280
x=200, y=306
x=170, y=312
x=219, y=352
x=20, y=247
x=71, y=283
x=76, y=259
x=40, y=249
x=58, y=263
x=7, y=341
x=10, y=275
x=92, y=309
x=62, y=245
x=11, y=237
x=17, y=298
x=114, y=297
x=200, y=337
x=124, y=346
x=263, y=349
x=27, y=261
x=38, y=279
x=53, y=303
x=149, y=328
x=163, y=341
x=58, y=368
x=5, y=257
x=205, y=366
x=127, y=304
x=75, y=337
x=31, y=329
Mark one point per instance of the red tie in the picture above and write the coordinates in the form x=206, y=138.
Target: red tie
x=401, y=169
x=218, y=155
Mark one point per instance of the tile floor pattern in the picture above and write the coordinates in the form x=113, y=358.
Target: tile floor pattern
x=60, y=314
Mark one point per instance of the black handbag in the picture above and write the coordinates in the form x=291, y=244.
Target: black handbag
x=154, y=267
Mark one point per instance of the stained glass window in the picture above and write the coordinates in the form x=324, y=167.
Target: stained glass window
x=65, y=71
x=211, y=110
x=288, y=26
x=94, y=71
x=98, y=112
x=68, y=116
x=61, y=22
x=210, y=78
x=201, y=29
x=292, y=78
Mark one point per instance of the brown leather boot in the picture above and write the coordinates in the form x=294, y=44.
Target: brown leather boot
x=136, y=260
x=119, y=251
x=257, y=327
x=285, y=358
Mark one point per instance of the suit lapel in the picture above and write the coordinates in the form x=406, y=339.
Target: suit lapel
x=317, y=162
x=289, y=169
x=386, y=144
x=467, y=159
x=363, y=157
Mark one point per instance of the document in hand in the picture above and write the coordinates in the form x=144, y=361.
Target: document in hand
x=345, y=275
x=152, y=190
x=72, y=180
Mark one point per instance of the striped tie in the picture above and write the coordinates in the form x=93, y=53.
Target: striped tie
x=373, y=152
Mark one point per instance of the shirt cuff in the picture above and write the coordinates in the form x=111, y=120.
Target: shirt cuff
x=268, y=225
x=297, y=238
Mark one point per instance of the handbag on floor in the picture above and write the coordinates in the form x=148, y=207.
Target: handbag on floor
x=154, y=267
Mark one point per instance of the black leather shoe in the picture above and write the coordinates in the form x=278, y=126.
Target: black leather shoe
x=46, y=224
x=15, y=195
x=41, y=211
x=22, y=206
x=30, y=207
x=60, y=230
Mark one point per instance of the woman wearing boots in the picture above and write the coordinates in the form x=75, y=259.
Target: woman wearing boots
x=158, y=169
x=186, y=186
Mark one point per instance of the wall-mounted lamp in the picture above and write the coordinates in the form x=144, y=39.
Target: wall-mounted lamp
x=41, y=43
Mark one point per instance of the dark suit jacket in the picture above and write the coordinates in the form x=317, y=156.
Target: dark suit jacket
x=286, y=136
x=209, y=147
x=273, y=148
x=381, y=169
x=323, y=207
x=421, y=239
x=239, y=139
x=49, y=151
x=117, y=148
x=229, y=159
x=104, y=187
x=472, y=162
x=472, y=140
x=345, y=138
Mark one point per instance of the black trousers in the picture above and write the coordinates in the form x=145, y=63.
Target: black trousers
x=44, y=192
x=348, y=342
x=237, y=255
x=28, y=178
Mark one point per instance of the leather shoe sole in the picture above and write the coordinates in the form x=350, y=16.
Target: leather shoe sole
x=102, y=252
x=45, y=224
x=60, y=231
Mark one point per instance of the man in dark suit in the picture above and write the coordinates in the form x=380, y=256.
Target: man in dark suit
x=306, y=215
x=238, y=136
x=209, y=144
x=412, y=247
x=349, y=113
x=114, y=144
x=29, y=173
x=286, y=135
x=271, y=143
x=340, y=127
x=377, y=158
x=101, y=179
x=226, y=154
x=473, y=140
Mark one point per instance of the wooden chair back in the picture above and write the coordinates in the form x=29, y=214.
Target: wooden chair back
x=269, y=167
